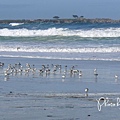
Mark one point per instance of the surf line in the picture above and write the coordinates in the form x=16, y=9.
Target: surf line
x=107, y=102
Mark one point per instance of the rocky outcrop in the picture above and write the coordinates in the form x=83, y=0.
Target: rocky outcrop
x=77, y=20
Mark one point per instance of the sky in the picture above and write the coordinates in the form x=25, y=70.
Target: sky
x=47, y=9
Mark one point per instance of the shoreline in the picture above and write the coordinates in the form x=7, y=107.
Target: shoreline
x=57, y=59
x=72, y=20
x=35, y=95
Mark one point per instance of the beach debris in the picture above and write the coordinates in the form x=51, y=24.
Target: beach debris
x=11, y=92
x=18, y=48
x=49, y=115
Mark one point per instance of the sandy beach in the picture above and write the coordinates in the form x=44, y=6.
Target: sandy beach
x=51, y=97
x=58, y=61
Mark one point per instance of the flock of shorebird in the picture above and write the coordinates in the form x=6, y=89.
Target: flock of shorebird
x=46, y=70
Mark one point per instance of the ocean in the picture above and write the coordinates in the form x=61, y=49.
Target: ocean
x=78, y=41
x=62, y=51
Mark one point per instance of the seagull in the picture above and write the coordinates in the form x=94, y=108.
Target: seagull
x=63, y=76
x=95, y=72
x=6, y=73
x=80, y=73
x=116, y=78
x=1, y=64
x=86, y=92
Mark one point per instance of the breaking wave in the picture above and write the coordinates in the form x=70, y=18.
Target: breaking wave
x=15, y=24
x=94, y=32
x=60, y=50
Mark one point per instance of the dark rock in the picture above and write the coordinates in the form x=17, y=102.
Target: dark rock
x=78, y=20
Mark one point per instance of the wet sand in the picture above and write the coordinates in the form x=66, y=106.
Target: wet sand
x=51, y=97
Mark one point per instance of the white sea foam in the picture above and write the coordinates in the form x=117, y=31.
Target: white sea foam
x=15, y=24
x=61, y=50
x=109, y=32
x=59, y=58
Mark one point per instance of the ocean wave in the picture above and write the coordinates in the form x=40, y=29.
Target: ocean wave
x=60, y=50
x=60, y=58
x=15, y=24
x=94, y=32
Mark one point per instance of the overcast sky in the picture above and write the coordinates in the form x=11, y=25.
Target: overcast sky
x=35, y=9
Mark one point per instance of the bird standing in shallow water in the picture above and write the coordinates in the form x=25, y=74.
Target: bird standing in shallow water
x=1, y=64
x=86, y=92
x=80, y=73
x=116, y=78
x=95, y=72
x=64, y=76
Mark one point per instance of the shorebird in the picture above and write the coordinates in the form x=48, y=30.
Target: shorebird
x=63, y=76
x=116, y=78
x=95, y=72
x=80, y=73
x=66, y=68
x=86, y=92
x=60, y=68
x=6, y=73
x=1, y=64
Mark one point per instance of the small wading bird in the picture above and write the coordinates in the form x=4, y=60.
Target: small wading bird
x=1, y=64
x=6, y=73
x=95, y=72
x=116, y=78
x=86, y=92
x=80, y=73
x=63, y=76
